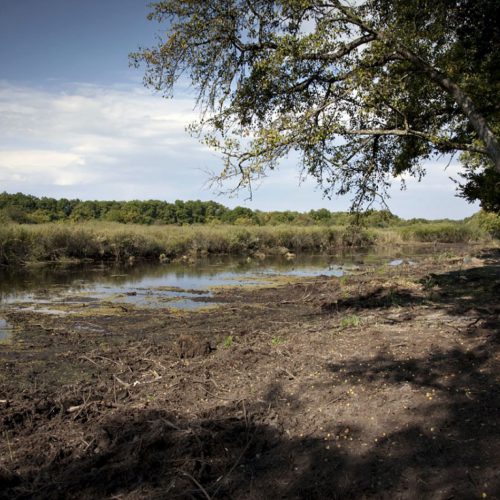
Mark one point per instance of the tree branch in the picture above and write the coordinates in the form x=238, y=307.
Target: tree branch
x=465, y=103
x=339, y=53
x=438, y=142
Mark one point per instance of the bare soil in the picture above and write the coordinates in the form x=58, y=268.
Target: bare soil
x=383, y=384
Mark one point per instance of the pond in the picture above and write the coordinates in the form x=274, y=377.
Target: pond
x=53, y=289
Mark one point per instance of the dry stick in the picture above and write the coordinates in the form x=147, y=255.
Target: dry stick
x=90, y=360
x=202, y=382
x=215, y=395
x=145, y=382
x=107, y=359
x=334, y=400
x=154, y=362
x=80, y=408
x=290, y=374
x=72, y=409
x=121, y=382
x=197, y=483
x=245, y=414
x=233, y=467
x=8, y=445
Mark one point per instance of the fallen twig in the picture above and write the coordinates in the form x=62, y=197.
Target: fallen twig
x=229, y=472
x=89, y=360
x=197, y=483
x=121, y=382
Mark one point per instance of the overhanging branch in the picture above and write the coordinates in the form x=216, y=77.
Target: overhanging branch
x=440, y=143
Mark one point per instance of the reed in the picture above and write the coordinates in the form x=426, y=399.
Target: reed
x=52, y=242
x=443, y=232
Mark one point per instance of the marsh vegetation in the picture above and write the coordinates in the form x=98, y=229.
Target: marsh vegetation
x=48, y=230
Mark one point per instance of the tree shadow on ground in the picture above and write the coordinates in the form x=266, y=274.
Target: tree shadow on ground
x=378, y=298
x=238, y=451
x=458, y=291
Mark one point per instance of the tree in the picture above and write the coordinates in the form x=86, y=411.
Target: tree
x=364, y=91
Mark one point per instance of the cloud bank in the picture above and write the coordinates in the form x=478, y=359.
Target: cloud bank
x=94, y=142
x=101, y=141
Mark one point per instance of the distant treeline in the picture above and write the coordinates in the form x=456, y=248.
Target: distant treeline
x=26, y=209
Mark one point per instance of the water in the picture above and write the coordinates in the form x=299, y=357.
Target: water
x=55, y=289
x=6, y=330
x=400, y=262
x=178, y=286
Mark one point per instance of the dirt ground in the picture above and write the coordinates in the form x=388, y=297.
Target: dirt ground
x=381, y=384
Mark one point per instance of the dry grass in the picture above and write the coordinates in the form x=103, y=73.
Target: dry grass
x=20, y=244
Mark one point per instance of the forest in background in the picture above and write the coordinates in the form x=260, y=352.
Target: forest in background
x=27, y=209
x=47, y=230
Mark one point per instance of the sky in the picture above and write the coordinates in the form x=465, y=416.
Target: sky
x=77, y=122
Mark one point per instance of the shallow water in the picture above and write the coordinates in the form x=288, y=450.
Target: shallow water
x=180, y=286
x=6, y=330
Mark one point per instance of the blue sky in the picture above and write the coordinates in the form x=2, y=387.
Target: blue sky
x=75, y=120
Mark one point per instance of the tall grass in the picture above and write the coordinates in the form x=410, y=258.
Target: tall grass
x=20, y=244
x=443, y=232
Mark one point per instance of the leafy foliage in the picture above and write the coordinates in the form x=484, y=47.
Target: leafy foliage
x=481, y=184
x=363, y=92
x=28, y=209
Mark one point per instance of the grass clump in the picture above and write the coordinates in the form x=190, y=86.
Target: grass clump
x=350, y=321
x=277, y=341
x=228, y=342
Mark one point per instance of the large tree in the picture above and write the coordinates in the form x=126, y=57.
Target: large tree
x=365, y=91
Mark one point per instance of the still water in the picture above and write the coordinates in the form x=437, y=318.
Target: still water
x=44, y=289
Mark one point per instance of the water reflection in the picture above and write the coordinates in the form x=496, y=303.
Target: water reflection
x=43, y=284
x=6, y=330
x=172, y=285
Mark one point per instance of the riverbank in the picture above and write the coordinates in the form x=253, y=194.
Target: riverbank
x=99, y=241
x=380, y=384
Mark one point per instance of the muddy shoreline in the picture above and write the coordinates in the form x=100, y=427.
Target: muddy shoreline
x=380, y=384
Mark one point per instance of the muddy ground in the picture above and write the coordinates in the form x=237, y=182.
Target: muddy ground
x=382, y=384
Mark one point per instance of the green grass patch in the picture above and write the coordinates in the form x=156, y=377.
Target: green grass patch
x=277, y=341
x=228, y=342
x=350, y=321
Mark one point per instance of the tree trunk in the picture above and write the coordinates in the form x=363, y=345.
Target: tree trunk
x=465, y=103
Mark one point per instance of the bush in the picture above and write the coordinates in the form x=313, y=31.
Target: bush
x=445, y=232
x=487, y=221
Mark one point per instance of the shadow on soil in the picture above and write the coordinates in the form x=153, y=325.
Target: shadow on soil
x=238, y=452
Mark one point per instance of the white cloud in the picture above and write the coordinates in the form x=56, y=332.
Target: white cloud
x=88, y=134
x=36, y=166
x=96, y=142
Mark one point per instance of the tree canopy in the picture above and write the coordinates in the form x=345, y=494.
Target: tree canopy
x=364, y=91
x=27, y=209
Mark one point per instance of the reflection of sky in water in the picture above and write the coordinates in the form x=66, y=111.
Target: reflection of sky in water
x=169, y=285
x=396, y=262
x=206, y=281
x=5, y=329
x=186, y=287
x=399, y=262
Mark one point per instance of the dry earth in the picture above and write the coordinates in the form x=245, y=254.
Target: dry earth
x=382, y=384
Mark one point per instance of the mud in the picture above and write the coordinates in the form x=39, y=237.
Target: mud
x=379, y=384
